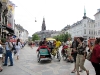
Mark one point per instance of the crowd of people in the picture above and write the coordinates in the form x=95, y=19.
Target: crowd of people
x=7, y=49
x=77, y=52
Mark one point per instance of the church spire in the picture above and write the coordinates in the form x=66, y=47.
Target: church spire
x=84, y=17
x=43, y=25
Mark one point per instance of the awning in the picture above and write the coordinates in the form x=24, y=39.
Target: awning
x=14, y=36
x=50, y=39
x=10, y=30
x=2, y=26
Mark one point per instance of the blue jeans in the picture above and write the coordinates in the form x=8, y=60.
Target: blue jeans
x=8, y=54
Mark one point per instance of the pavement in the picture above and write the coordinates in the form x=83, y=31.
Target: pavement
x=28, y=65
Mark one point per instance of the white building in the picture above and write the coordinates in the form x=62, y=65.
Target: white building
x=97, y=24
x=21, y=33
x=24, y=35
x=55, y=33
x=83, y=28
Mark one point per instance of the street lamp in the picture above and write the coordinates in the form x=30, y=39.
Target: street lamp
x=35, y=19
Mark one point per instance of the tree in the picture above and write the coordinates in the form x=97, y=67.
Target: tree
x=35, y=37
x=63, y=37
x=3, y=40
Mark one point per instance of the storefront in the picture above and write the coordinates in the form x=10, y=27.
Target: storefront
x=10, y=18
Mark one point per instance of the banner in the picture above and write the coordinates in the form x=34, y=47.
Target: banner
x=11, y=8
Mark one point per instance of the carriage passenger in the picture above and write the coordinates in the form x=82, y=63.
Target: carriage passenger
x=43, y=46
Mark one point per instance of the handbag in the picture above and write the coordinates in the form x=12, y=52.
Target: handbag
x=88, y=57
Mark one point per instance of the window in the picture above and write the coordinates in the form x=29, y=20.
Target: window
x=89, y=32
x=98, y=32
x=89, y=25
x=84, y=31
x=84, y=25
x=92, y=32
x=96, y=25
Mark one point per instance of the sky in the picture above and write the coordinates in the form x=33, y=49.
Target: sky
x=57, y=13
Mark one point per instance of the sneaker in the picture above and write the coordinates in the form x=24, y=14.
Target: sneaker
x=10, y=65
x=5, y=65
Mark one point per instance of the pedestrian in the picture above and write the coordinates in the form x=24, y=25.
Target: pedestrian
x=81, y=55
x=95, y=58
x=18, y=47
x=32, y=44
x=40, y=43
x=69, y=51
x=74, y=52
x=8, y=47
x=14, y=48
x=45, y=41
x=1, y=56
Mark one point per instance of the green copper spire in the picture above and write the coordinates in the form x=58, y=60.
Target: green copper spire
x=84, y=17
x=84, y=11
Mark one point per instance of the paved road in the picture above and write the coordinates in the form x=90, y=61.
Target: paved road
x=28, y=65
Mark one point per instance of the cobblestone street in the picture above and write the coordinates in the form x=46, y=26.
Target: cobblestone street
x=28, y=65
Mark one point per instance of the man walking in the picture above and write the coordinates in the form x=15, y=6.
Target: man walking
x=8, y=47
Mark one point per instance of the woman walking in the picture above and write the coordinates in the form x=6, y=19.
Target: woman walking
x=18, y=47
x=95, y=58
x=81, y=55
x=74, y=52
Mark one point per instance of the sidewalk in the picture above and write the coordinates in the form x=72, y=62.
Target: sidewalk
x=28, y=65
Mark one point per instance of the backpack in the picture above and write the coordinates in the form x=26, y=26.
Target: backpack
x=14, y=47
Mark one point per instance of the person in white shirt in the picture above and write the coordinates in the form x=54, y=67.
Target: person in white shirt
x=18, y=47
x=8, y=47
x=69, y=51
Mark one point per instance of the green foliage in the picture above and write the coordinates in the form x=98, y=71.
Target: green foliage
x=35, y=37
x=3, y=40
x=63, y=37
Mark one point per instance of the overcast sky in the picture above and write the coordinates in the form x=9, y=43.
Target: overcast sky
x=57, y=13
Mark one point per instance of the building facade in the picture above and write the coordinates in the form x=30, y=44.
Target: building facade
x=21, y=33
x=83, y=28
x=6, y=18
x=24, y=36
x=45, y=33
x=97, y=24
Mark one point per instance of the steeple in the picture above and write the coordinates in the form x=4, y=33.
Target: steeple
x=43, y=25
x=84, y=17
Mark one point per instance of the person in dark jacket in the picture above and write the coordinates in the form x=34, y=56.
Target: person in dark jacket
x=74, y=52
x=95, y=58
